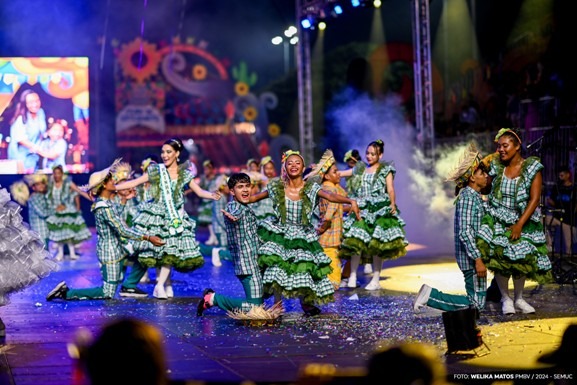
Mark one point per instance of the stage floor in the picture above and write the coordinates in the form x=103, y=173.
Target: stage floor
x=215, y=348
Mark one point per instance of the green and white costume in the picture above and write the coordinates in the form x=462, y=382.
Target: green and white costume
x=205, y=206
x=68, y=225
x=165, y=217
x=293, y=260
x=526, y=256
x=379, y=232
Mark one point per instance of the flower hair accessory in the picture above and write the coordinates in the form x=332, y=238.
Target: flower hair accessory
x=288, y=153
x=503, y=131
x=379, y=141
x=348, y=155
x=121, y=171
x=465, y=167
x=265, y=160
x=145, y=163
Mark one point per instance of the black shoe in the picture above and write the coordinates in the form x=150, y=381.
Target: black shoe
x=202, y=304
x=58, y=292
x=132, y=292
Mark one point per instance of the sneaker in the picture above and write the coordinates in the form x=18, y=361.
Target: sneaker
x=58, y=292
x=368, y=269
x=507, y=306
x=169, y=291
x=525, y=308
x=204, y=302
x=422, y=298
x=215, y=257
x=159, y=292
x=373, y=285
x=132, y=292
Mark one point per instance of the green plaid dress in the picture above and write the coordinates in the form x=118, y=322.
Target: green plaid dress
x=379, y=232
x=292, y=258
x=181, y=249
x=507, y=202
x=68, y=225
x=205, y=206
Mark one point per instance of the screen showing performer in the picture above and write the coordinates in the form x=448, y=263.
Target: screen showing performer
x=44, y=114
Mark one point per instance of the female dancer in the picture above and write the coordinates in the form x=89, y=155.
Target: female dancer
x=164, y=216
x=208, y=183
x=380, y=234
x=294, y=263
x=511, y=238
x=66, y=225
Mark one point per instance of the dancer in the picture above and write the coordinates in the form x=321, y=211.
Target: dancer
x=471, y=178
x=294, y=263
x=330, y=228
x=66, y=225
x=252, y=165
x=511, y=238
x=380, y=234
x=263, y=208
x=165, y=217
x=110, y=228
x=208, y=183
x=353, y=158
x=241, y=229
x=38, y=210
x=23, y=258
x=267, y=167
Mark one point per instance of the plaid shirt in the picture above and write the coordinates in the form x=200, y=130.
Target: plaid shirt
x=333, y=213
x=38, y=211
x=468, y=215
x=243, y=240
x=110, y=228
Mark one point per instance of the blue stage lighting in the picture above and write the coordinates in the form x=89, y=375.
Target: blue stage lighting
x=306, y=23
x=338, y=9
x=355, y=3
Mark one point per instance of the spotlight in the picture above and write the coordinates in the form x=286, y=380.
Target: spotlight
x=338, y=9
x=294, y=40
x=355, y=3
x=322, y=25
x=377, y=3
x=290, y=31
x=306, y=23
x=277, y=40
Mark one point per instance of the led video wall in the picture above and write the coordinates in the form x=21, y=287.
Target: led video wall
x=44, y=119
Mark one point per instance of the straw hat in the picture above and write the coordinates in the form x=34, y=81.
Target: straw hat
x=121, y=171
x=97, y=177
x=566, y=352
x=37, y=177
x=323, y=165
x=465, y=167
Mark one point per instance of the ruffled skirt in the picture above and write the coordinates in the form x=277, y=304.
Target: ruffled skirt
x=294, y=263
x=181, y=249
x=23, y=258
x=67, y=226
x=379, y=232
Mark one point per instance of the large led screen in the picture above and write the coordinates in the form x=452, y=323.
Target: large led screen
x=44, y=114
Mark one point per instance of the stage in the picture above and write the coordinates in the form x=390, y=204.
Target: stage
x=215, y=348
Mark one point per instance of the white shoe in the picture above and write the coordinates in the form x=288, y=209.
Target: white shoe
x=373, y=285
x=169, y=292
x=352, y=282
x=422, y=298
x=525, y=308
x=507, y=306
x=215, y=257
x=368, y=269
x=159, y=292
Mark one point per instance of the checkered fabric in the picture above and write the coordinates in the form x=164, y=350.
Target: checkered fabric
x=468, y=215
x=181, y=249
x=333, y=213
x=242, y=238
x=205, y=207
x=38, y=211
x=218, y=224
x=379, y=233
x=68, y=225
x=294, y=261
x=507, y=202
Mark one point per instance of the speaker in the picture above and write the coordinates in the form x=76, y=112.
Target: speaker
x=461, y=330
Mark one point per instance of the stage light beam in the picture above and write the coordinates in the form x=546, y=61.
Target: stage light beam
x=322, y=25
x=277, y=40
